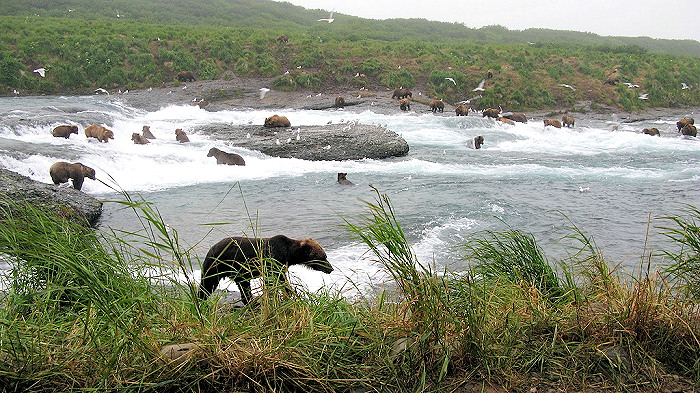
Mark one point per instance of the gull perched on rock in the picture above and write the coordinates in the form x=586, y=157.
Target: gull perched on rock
x=329, y=19
x=481, y=86
x=41, y=71
x=263, y=91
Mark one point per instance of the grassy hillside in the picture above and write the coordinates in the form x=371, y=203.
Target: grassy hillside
x=84, y=45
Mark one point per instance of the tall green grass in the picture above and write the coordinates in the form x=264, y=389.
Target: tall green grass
x=88, y=310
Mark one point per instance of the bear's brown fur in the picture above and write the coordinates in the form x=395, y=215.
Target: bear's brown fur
x=506, y=120
x=146, y=131
x=405, y=104
x=61, y=171
x=185, y=76
x=684, y=121
x=223, y=158
x=283, y=38
x=102, y=134
x=462, y=110
x=342, y=179
x=491, y=112
x=277, y=121
x=139, y=139
x=552, y=122
x=651, y=131
x=567, y=121
x=689, y=130
x=478, y=141
x=339, y=102
x=402, y=93
x=180, y=136
x=437, y=106
x=64, y=131
x=243, y=259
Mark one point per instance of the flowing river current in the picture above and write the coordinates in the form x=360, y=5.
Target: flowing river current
x=609, y=183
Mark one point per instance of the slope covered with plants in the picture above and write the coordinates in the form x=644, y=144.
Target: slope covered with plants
x=88, y=47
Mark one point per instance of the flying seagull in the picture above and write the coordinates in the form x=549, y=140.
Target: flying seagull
x=685, y=86
x=451, y=80
x=329, y=19
x=481, y=86
x=631, y=85
x=263, y=91
x=101, y=90
x=643, y=96
x=567, y=86
x=41, y=71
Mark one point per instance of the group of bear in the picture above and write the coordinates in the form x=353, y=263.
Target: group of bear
x=685, y=126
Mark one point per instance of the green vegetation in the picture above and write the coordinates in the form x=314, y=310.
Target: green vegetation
x=90, y=47
x=79, y=315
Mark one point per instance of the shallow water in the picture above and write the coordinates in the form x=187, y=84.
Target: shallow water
x=608, y=183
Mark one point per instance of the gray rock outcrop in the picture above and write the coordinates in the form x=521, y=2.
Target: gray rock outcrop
x=332, y=142
x=65, y=201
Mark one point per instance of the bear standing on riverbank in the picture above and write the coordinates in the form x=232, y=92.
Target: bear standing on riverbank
x=243, y=259
x=62, y=171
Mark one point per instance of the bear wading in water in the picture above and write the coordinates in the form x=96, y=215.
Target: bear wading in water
x=242, y=259
x=62, y=171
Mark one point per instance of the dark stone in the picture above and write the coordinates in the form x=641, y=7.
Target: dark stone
x=65, y=201
x=332, y=142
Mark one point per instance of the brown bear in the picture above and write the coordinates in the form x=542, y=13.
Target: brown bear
x=339, y=102
x=64, y=131
x=243, y=259
x=185, y=76
x=567, y=121
x=689, y=130
x=180, y=136
x=342, y=179
x=102, y=134
x=506, y=120
x=684, y=121
x=139, y=139
x=402, y=93
x=405, y=104
x=277, y=121
x=491, y=112
x=146, y=131
x=462, y=110
x=283, y=39
x=61, y=171
x=478, y=141
x=223, y=158
x=552, y=122
x=519, y=117
x=437, y=106
x=651, y=131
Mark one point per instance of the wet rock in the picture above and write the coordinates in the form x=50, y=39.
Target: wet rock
x=65, y=201
x=332, y=142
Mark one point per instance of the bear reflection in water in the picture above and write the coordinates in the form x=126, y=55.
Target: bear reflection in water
x=242, y=259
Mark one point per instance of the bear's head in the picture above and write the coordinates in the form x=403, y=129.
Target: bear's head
x=87, y=171
x=213, y=152
x=73, y=129
x=109, y=134
x=315, y=258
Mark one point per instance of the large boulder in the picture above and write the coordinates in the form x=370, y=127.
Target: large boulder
x=65, y=201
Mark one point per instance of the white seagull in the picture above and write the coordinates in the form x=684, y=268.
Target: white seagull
x=631, y=85
x=41, y=71
x=451, y=80
x=685, y=86
x=101, y=90
x=481, y=86
x=263, y=91
x=643, y=96
x=567, y=86
x=329, y=19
